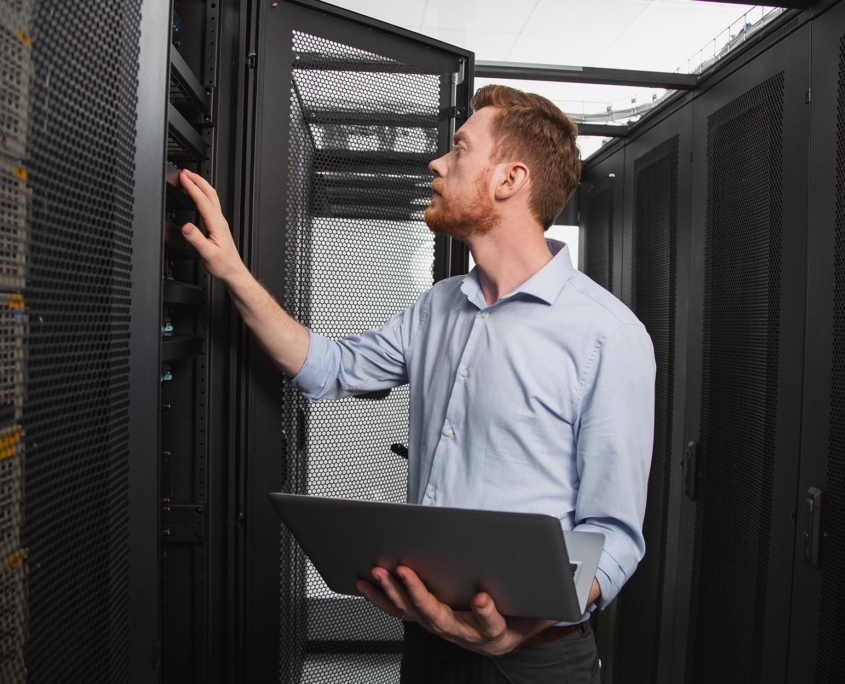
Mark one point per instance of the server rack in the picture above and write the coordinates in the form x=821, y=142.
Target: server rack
x=16, y=67
x=601, y=206
x=743, y=404
x=753, y=506
x=348, y=113
x=66, y=189
x=817, y=593
x=656, y=244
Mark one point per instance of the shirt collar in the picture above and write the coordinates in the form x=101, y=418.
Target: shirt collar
x=545, y=284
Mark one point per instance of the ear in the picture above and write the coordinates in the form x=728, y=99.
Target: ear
x=511, y=179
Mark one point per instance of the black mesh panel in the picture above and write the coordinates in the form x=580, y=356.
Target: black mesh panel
x=739, y=387
x=598, y=236
x=363, y=129
x=653, y=264
x=830, y=657
x=65, y=246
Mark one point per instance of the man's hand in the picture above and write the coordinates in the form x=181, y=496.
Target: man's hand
x=284, y=340
x=595, y=592
x=482, y=629
x=218, y=250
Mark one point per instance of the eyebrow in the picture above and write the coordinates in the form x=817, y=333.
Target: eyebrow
x=459, y=136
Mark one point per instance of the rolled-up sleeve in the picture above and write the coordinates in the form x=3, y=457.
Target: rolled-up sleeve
x=615, y=434
x=356, y=364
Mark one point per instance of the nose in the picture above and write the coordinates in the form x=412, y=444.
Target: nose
x=437, y=166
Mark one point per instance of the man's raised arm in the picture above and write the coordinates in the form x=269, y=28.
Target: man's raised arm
x=284, y=340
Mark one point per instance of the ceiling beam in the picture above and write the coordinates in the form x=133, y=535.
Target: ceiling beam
x=576, y=74
x=604, y=130
x=789, y=4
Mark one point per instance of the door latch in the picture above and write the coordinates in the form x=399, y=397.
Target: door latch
x=689, y=471
x=812, y=530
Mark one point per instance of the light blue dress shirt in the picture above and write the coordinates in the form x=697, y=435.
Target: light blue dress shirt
x=542, y=402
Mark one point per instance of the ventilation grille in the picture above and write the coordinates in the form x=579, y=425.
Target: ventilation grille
x=830, y=658
x=598, y=237
x=739, y=387
x=363, y=129
x=654, y=271
x=65, y=241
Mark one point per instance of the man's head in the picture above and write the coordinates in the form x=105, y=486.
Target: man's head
x=517, y=150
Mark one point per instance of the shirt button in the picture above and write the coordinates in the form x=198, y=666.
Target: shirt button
x=430, y=494
x=465, y=372
x=449, y=432
x=485, y=314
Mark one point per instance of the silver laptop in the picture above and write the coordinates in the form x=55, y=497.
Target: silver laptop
x=523, y=560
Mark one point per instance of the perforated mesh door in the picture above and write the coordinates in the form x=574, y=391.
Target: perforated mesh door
x=830, y=658
x=598, y=236
x=653, y=281
x=363, y=129
x=739, y=387
x=65, y=230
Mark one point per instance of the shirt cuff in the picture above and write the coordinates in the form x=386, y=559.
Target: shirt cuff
x=315, y=373
x=610, y=577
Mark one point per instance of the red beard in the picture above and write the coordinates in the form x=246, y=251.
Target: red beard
x=463, y=217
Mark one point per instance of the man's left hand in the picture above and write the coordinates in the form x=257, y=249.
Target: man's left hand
x=482, y=629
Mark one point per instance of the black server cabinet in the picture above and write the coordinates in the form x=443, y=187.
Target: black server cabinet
x=67, y=153
x=656, y=243
x=601, y=205
x=348, y=113
x=818, y=600
x=747, y=303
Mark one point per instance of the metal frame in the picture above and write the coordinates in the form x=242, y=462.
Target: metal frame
x=792, y=4
x=151, y=134
x=604, y=130
x=579, y=74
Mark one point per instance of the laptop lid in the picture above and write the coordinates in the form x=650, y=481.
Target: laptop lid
x=520, y=559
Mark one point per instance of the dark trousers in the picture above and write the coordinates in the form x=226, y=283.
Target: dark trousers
x=428, y=659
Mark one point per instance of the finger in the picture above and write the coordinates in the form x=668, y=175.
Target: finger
x=394, y=591
x=205, y=206
x=206, y=188
x=194, y=237
x=379, y=599
x=491, y=623
x=423, y=602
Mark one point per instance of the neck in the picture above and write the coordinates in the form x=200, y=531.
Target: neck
x=508, y=256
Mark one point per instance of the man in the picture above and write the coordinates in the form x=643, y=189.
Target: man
x=532, y=388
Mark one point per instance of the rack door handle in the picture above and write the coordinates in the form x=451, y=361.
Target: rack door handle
x=812, y=529
x=689, y=469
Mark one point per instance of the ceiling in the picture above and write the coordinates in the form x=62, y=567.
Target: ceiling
x=655, y=35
